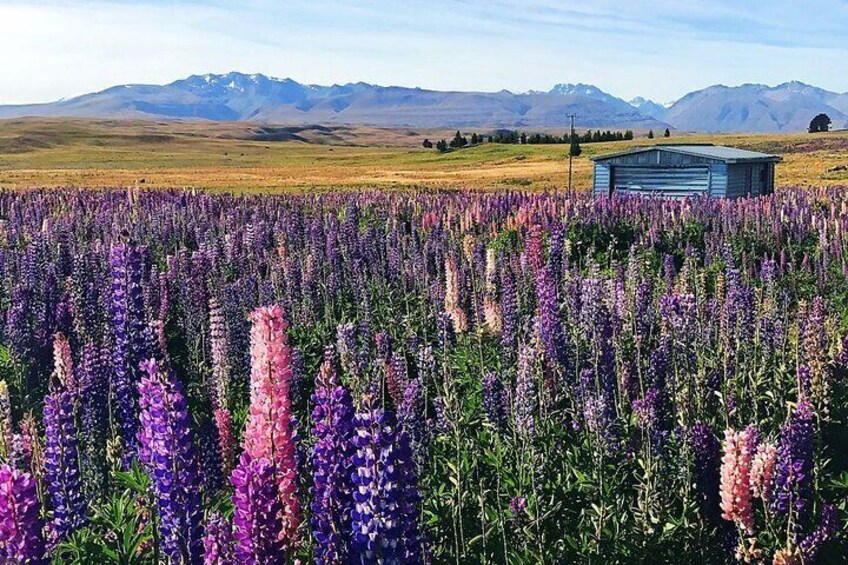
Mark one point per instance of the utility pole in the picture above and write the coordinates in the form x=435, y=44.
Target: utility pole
x=570, y=149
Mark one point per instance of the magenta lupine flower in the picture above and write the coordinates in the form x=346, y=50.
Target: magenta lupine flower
x=268, y=433
x=21, y=540
x=332, y=468
x=166, y=449
x=218, y=543
x=256, y=513
x=227, y=444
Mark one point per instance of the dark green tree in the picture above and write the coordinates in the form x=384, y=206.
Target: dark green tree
x=667, y=133
x=574, y=149
x=428, y=144
x=651, y=134
x=820, y=124
x=523, y=138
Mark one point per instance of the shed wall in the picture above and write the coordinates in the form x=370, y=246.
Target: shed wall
x=602, y=180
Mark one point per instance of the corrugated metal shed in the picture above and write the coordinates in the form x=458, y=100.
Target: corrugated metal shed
x=727, y=154
x=681, y=170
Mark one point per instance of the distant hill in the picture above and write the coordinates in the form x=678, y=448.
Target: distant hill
x=649, y=107
x=788, y=107
x=257, y=98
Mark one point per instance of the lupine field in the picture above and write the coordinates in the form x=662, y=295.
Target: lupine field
x=422, y=378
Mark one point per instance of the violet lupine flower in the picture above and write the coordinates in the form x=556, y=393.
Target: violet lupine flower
x=706, y=452
x=61, y=462
x=411, y=417
x=131, y=340
x=794, y=467
x=269, y=433
x=256, y=513
x=509, y=312
x=547, y=320
x=649, y=412
x=332, y=468
x=830, y=523
x=396, y=378
x=386, y=498
x=21, y=541
x=446, y=333
x=93, y=379
x=209, y=455
x=526, y=394
x=166, y=449
x=218, y=547
x=494, y=402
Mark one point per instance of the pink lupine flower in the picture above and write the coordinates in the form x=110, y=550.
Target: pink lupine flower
x=63, y=366
x=735, y=486
x=6, y=428
x=762, y=471
x=492, y=315
x=452, y=306
x=268, y=433
x=226, y=442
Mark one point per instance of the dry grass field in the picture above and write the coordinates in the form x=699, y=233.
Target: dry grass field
x=247, y=157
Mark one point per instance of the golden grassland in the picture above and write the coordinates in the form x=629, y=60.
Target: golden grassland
x=232, y=156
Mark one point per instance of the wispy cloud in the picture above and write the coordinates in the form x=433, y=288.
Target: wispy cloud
x=661, y=49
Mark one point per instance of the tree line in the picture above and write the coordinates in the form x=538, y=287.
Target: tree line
x=514, y=137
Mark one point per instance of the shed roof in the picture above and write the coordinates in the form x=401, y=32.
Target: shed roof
x=715, y=152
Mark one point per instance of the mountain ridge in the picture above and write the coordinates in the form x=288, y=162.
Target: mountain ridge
x=236, y=96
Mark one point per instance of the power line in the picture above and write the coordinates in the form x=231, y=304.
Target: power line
x=570, y=149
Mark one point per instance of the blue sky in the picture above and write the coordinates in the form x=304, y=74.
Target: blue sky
x=659, y=49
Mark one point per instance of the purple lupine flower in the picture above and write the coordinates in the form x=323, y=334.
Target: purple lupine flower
x=793, y=473
x=166, y=449
x=411, y=417
x=509, y=311
x=526, y=394
x=332, y=468
x=445, y=330
x=209, y=455
x=21, y=541
x=706, y=451
x=256, y=514
x=386, y=498
x=218, y=542
x=61, y=461
x=830, y=523
x=93, y=379
x=494, y=402
x=131, y=339
x=547, y=320
x=650, y=417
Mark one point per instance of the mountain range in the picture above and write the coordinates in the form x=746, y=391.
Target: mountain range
x=788, y=107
